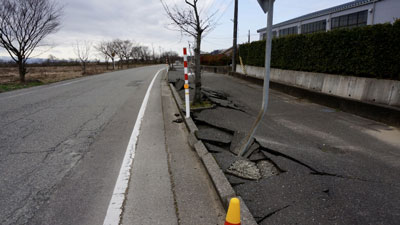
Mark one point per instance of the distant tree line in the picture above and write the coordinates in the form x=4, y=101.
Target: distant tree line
x=126, y=52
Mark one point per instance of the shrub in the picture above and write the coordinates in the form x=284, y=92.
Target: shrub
x=370, y=51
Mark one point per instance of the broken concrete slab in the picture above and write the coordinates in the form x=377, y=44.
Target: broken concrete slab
x=225, y=118
x=214, y=94
x=179, y=84
x=237, y=142
x=252, y=148
x=244, y=169
x=308, y=199
x=214, y=148
x=220, y=102
x=214, y=135
x=285, y=164
x=257, y=155
x=234, y=180
x=225, y=103
x=267, y=169
x=220, y=99
x=225, y=159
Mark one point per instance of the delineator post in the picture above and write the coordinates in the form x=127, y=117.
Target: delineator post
x=186, y=86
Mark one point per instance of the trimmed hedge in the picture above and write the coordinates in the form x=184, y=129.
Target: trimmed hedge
x=370, y=51
x=215, y=60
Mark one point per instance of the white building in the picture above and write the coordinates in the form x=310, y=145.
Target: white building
x=353, y=14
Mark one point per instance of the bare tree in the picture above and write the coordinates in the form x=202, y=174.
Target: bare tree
x=124, y=49
x=23, y=25
x=136, y=53
x=82, y=51
x=115, y=45
x=108, y=49
x=103, y=49
x=190, y=21
x=171, y=57
x=144, y=53
x=112, y=49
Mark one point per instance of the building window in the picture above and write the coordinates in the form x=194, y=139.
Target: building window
x=362, y=18
x=313, y=27
x=288, y=31
x=357, y=19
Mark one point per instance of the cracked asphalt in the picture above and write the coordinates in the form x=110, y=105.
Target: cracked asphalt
x=328, y=166
x=61, y=146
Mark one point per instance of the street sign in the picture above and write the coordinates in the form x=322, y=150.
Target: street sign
x=264, y=5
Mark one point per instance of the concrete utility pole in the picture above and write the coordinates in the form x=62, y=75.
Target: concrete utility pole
x=235, y=23
x=248, y=37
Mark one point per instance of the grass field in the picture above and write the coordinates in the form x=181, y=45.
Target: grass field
x=38, y=75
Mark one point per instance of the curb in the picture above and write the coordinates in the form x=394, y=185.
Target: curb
x=223, y=187
x=381, y=113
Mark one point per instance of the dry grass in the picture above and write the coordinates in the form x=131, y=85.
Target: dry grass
x=50, y=74
x=37, y=75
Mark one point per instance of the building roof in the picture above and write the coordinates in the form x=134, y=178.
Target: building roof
x=324, y=12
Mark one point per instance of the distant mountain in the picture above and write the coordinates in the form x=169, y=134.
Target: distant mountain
x=33, y=60
x=5, y=58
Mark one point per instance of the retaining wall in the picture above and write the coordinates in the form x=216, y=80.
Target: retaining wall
x=385, y=92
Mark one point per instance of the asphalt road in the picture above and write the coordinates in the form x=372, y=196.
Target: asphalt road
x=61, y=146
x=334, y=167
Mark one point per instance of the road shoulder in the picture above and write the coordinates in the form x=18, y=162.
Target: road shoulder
x=195, y=197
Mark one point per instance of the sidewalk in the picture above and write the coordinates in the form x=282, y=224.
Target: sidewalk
x=309, y=164
x=168, y=185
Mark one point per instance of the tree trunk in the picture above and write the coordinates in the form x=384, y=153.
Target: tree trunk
x=83, y=68
x=197, y=78
x=22, y=70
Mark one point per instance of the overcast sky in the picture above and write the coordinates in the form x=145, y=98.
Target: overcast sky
x=145, y=22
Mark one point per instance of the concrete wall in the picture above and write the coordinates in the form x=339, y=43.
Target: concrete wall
x=385, y=92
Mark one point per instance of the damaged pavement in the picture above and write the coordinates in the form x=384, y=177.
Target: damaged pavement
x=306, y=165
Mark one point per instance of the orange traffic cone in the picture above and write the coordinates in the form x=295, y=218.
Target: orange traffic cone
x=233, y=215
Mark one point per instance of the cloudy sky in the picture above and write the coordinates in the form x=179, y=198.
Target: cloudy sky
x=145, y=22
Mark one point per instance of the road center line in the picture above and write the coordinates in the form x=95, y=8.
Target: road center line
x=114, y=211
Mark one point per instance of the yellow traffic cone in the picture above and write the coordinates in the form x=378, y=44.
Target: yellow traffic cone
x=233, y=215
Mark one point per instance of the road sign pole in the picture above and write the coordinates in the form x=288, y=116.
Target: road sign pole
x=264, y=106
x=187, y=100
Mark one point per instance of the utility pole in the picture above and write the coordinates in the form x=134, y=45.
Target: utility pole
x=249, y=37
x=235, y=23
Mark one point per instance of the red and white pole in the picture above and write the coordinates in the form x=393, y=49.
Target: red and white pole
x=187, y=100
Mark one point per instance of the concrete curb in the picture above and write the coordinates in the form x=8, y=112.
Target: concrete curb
x=385, y=114
x=221, y=183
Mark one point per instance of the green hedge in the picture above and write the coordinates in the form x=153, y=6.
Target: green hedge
x=370, y=51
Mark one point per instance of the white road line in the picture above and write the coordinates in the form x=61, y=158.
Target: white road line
x=114, y=211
